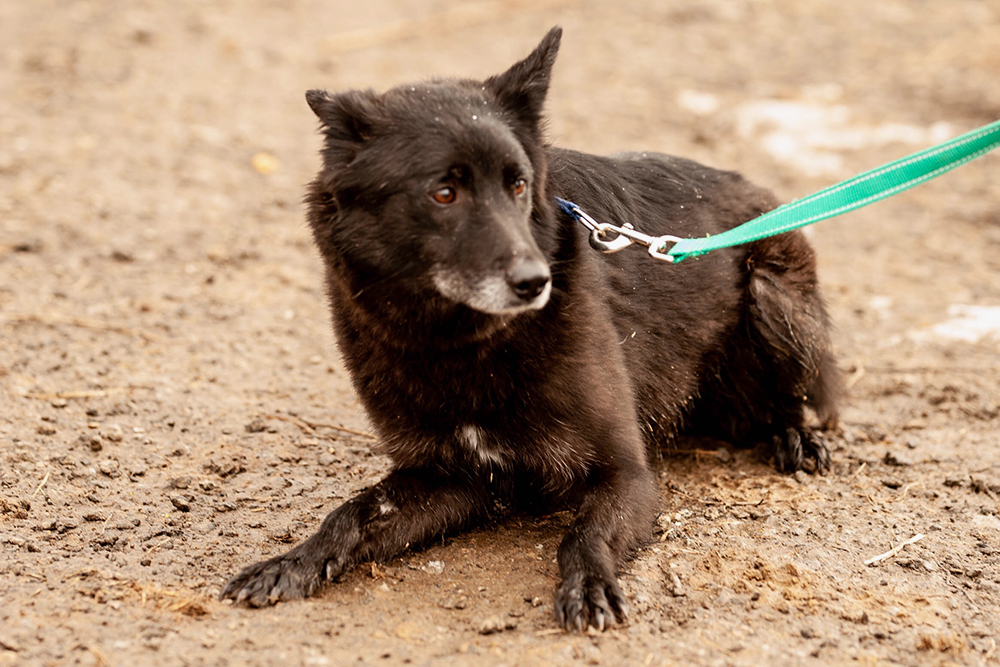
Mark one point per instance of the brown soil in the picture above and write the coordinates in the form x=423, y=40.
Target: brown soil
x=172, y=400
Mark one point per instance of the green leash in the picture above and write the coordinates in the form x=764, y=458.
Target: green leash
x=864, y=189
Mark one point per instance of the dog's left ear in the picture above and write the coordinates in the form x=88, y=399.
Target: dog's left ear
x=523, y=87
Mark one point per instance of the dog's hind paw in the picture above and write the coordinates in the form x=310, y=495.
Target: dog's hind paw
x=585, y=600
x=796, y=447
x=286, y=577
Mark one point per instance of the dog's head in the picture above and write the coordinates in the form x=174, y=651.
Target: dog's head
x=439, y=188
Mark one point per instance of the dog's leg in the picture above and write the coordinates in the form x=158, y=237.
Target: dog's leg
x=615, y=516
x=408, y=507
x=790, y=327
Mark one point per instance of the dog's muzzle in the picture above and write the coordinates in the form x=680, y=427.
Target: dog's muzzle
x=528, y=278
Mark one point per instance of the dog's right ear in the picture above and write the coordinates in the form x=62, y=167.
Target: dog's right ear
x=346, y=117
x=523, y=87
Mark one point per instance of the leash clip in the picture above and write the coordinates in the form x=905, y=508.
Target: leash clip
x=624, y=235
x=627, y=235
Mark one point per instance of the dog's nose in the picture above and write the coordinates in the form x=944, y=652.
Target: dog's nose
x=528, y=277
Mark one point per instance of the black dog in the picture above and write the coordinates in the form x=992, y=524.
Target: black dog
x=504, y=363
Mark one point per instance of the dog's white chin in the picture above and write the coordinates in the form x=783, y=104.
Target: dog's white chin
x=489, y=295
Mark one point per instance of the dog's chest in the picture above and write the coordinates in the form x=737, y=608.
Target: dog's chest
x=481, y=445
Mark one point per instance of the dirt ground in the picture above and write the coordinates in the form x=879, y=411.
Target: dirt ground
x=173, y=407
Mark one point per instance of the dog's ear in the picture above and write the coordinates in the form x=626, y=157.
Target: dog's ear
x=522, y=88
x=346, y=117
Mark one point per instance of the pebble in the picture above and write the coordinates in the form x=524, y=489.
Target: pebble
x=179, y=482
x=113, y=434
x=109, y=467
x=675, y=588
x=461, y=602
x=256, y=426
x=496, y=624
x=434, y=567
x=91, y=442
x=801, y=477
x=897, y=460
x=180, y=502
x=64, y=525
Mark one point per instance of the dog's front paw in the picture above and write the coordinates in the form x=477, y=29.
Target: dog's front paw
x=287, y=577
x=589, y=599
x=795, y=447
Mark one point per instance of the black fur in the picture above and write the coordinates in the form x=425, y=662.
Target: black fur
x=488, y=395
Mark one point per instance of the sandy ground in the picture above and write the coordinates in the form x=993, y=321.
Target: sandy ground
x=172, y=406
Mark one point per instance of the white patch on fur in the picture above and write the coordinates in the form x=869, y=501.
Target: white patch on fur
x=386, y=507
x=490, y=294
x=474, y=438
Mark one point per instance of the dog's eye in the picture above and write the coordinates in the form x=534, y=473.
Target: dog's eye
x=445, y=195
x=520, y=185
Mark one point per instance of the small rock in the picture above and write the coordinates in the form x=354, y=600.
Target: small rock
x=892, y=483
x=8, y=644
x=179, y=482
x=723, y=455
x=64, y=525
x=93, y=516
x=929, y=565
x=59, y=402
x=496, y=624
x=954, y=482
x=536, y=601
x=675, y=587
x=327, y=459
x=45, y=430
x=434, y=567
x=256, y=426
x=897, y=460
x=109, y=467
x=91, y=442
x=801, y=477
x=461, y=602
x=113, y=434
x=808, y=633
x=181, y=502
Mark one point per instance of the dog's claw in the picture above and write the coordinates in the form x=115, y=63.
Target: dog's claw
x=268, y=582
x=794, y=447
x=582, y=601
